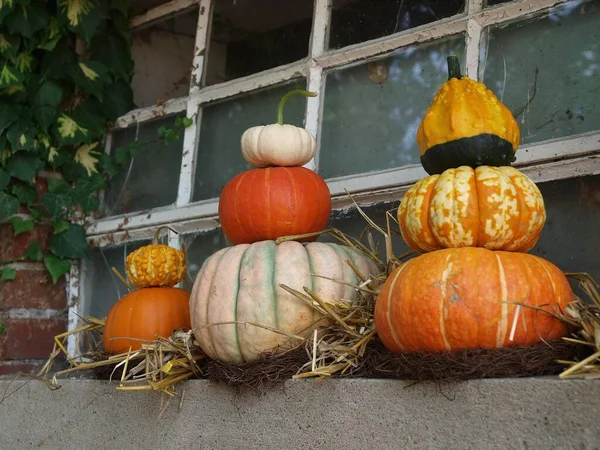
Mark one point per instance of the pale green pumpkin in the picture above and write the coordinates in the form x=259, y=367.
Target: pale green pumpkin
x=242, y=284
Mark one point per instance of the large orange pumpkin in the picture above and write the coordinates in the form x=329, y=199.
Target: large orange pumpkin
x=460, y=298
x=145, y=314
x=498, y=208
x=264, y=204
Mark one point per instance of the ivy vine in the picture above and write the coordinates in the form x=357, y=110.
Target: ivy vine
x=65, y=77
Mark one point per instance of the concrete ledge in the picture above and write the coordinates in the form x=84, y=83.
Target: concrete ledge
x=544, y=413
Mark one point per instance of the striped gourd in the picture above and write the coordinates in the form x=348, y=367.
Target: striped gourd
x=465, y=298
x=242, y=284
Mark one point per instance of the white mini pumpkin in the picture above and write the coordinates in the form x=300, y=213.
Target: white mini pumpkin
x=242, y=284
x=277, y=145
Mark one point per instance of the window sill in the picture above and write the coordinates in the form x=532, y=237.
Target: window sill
x=508, y=413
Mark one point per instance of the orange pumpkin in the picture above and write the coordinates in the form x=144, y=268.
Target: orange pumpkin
x=145, y=314
x=498, y=208
x=460, y=298
x=264, y=204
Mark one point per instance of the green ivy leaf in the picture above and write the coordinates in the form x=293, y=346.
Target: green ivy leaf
x=69, y=131
x=46, y=116
x=60, y=225
x=56, y=266
x=55, y=61
x=21, y=225
x=21, y=136
x=56, y=204
x=109, y=166
x=57, y=185
x=24, y=166
x=9, y=205
x=70, y=243
x=9, y=45
x=10, y=76
x=35, y=213
x=87, y=24
x=8, y=273
x=4, y=179
x=91, y=76
x=8, y=115
x=34, y=252
x=1, y=324
x=90, y=115
x=49, y=93
x=26, y=194
x=113, y=52
x=6, y=7
x=118, y=99
x=25, y=20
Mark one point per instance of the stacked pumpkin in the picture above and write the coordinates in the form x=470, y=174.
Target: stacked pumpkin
x=473, y=219
x=156, y=308
x=239, y=310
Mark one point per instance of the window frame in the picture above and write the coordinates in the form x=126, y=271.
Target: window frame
x=544, y=161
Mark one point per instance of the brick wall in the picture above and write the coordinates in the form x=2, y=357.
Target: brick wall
x=32, y=309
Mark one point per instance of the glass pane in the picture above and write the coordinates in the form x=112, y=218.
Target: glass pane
x=102, y=288
x=219, y=153
x=250, y=36
x=355, y=21
x=200, y=246
x=353, y=224
x=546, y=71
x=570, y=238
x=151, y=179
x=162, y=54
x=372, y=111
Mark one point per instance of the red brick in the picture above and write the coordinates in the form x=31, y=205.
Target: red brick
x=28, y=367
x=33, y=289
x=29, y=338
x=12, y=247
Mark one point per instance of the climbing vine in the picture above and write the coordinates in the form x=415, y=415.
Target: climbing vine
x=65, y=75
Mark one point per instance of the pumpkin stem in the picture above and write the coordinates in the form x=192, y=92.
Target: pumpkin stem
x=286, y=97
x=453, y=67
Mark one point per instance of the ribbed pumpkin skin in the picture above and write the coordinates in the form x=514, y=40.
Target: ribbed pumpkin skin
x=498, y=208
x=277, y=145
x=264, y=204
x=241, y=283
x=144, y=314
x=453, y=299
x=155, y=266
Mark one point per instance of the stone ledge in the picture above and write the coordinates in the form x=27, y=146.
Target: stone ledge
x=532, y=413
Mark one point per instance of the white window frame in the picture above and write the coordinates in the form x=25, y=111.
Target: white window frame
x=555, y=159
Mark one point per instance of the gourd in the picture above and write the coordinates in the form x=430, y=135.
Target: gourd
x=155, y=265
x=466, y=124
x=145, y=314
x=279, y=144
x=461, y=298
x=498, y=208
x=265, y=204
x=237, y=295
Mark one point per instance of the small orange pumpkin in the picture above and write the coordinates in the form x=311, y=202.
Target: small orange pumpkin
x=498, y=208
x=155, y=265
x=462, y=298
x=145, y=314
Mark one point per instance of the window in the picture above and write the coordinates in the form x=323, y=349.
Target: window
x=376, y=69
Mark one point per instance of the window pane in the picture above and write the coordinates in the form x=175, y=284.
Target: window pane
x=254, y=35
x=570, y=238
x=372, y=111
x=102, y=288
x=353, y=224
x=554, y=61
x=200, y=246
x=355, y=21
x=163, y=55
x=151, y=179
x=219, y=153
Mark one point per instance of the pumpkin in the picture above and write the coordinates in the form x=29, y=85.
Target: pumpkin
x=466, y=125
x=460, y=298
x=498, y=208
x=155, y=265
x=145, y=314
x=264, y=204
x=242, y=284
x=279, y=144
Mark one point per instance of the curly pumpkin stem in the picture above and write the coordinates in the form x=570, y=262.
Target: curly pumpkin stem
x=157, y=234
x=286, y=97
x=453, y=67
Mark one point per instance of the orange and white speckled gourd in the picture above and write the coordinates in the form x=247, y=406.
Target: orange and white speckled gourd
x=498, y=208
x=155, y=265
